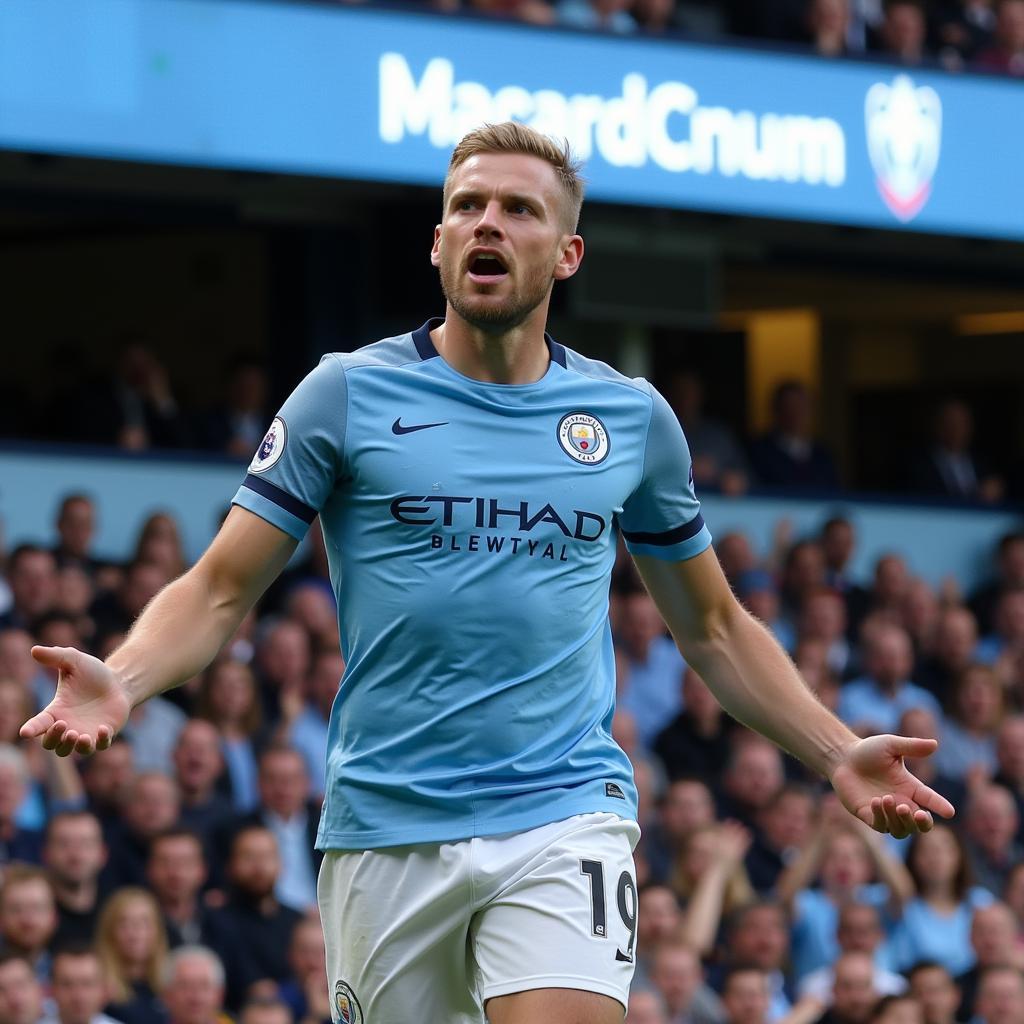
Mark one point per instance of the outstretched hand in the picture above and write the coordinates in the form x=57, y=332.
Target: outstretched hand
x=88, y=709
x=875, y=786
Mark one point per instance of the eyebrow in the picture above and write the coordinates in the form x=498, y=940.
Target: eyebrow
x=462, y=194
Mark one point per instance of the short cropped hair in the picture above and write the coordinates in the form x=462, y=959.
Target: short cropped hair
x=514, y=137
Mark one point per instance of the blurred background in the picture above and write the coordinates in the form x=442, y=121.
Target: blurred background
x=804, y=225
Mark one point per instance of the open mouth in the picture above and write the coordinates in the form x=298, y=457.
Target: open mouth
x=486, y=268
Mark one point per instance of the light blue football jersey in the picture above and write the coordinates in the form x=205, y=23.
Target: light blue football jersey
x=471, y=531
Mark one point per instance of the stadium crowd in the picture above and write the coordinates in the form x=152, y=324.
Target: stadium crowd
x=981, y=35
x=171, y=878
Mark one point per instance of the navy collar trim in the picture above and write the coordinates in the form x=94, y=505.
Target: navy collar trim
x=425, y=347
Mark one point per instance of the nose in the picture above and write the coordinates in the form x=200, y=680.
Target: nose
x=489, y=224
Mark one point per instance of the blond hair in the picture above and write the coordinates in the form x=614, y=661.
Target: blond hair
x=514, y=137
x=115, y=973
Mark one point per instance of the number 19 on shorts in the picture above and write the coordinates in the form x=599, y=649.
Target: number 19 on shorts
x=625, y=903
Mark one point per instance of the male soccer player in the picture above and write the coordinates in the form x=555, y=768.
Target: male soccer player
x=471, y=478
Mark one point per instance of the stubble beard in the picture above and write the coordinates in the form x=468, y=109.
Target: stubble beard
x=494, y=318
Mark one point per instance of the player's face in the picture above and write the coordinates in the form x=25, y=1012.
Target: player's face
x=503, y=239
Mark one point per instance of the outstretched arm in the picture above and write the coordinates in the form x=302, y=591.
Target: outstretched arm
x=178, y=634
x=757, y=683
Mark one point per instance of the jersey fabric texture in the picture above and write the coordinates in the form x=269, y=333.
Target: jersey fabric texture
x=471, y=532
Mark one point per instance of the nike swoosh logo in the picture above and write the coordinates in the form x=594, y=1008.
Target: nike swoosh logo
x=397, y=428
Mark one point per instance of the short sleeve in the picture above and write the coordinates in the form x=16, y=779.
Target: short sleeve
x=297, y=465
x=661, y=518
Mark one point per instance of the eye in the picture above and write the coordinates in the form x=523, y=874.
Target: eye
x=522, y=208
x=465, y=204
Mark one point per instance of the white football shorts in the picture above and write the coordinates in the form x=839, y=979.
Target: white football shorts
x=430, y=932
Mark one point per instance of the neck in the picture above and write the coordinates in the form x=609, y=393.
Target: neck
x=80, y=896
x=515, y=356
x=180, y=909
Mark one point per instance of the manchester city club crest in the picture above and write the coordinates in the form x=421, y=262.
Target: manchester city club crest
x=583, y=438
x=272, y=447
x=345, y=1002
x=904, y=128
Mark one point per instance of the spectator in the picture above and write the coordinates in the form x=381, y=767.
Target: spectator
x=920, y=611
x=21, y=996
x=718, y=461
x=258, y=927
x=949, y=467
x=152, y=806
x=936, y=923
x=968, y=735
x=1007, y=637
x=656, y=17
x=76, y=528
x=28, y=915
x=1010, y=760
x=304, y=725
x=823, y=618
x=992, y=824
x=745, y=996
x=735, y=555
x=311, y=604
x=890, y=586
x=993, y=939
x=1007, y=55
x=1000, y=996
x=844, y=859
x=853, y=991
x=78, y=992
x=198, y=767
x=238, y=425
x=874, y=703
x=752, y=776
x=132, y=947
x=16, y=707
x=176, y=872
x=659, y=920
x=827, y=22
x=956, y=638
x=646, y=1006
x=305, y=991
x=897, y=1010
x=859, y=931
x=604, y=15
x=838, y=541
x=282, y=661
x=1009, y=559
x=789, y=455
x=932, y=986
x=758, y=937
x=16, y=843
x=686, y=806
x=695, y=742
x=655, y=668
x=963, y=29
x=803, y=573
x=288, y=812
x=267, y=1011
x=106, y=778
x=114, y=611
x=229, y=700
x=193, y=987
x=74, y=854
x=1013, y=896
x=678, y=976
x=17, y=663
x=783, y=828
x=159, y=543
x=757, y=591
x=903, y=34
x=32, y=577
x=710, y=880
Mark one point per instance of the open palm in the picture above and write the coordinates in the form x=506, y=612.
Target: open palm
x=874, y=784
x=88, y=709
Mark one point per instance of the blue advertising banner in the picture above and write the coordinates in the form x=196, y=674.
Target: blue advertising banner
x=379, y=95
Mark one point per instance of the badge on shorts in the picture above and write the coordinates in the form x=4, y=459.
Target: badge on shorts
x=345, y=1002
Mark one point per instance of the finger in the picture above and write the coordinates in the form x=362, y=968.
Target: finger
x=104, y=737
x=914, y=746
x=927, y=798
x=894, y=824
x=67, y=743
x=54, y=734
x=878, y=822
x=36, y=726
x=54, y=657
x=923, y=821
x=85, y=745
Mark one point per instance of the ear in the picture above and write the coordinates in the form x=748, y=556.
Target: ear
x=435, y=251
x=572, y=257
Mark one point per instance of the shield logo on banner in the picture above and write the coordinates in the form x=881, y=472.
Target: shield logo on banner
x=904, y=129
